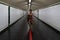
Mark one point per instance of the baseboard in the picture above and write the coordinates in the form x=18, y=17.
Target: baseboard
x=49, y=26
x=10, y=26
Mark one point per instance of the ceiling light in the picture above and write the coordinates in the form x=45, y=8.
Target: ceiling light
x=29, y=1
x=29, y=4
x=26, y=5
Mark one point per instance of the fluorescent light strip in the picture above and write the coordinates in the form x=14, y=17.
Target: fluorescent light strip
x=29, y=1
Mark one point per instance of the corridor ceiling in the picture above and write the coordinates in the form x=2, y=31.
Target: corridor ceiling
x=36, y=4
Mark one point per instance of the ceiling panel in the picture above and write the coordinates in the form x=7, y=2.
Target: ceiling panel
x=36, y=4
x=46, y=2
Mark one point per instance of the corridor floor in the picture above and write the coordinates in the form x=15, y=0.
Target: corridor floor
x=42, y=31
x=19, y=31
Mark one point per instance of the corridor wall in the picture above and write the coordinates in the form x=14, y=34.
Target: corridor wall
x=3, y=16
x=15, y=14
x=35, y=13
x=51, y=16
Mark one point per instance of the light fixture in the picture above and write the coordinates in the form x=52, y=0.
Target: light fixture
x=29, y=4
x=26, y=5
x=29, y=1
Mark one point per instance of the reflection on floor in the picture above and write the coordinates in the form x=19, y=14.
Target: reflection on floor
x=19, y=31
x=42, y=31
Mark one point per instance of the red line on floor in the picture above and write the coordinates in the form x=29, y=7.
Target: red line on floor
x=30, y=34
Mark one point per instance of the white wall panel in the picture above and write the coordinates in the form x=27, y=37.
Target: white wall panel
x=3, y=17
x=35, y=13
x=15, y=14
x=24, y=12
x=51, y=16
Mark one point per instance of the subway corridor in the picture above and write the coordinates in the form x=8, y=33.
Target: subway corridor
x=20, y=31
x=29, y=19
